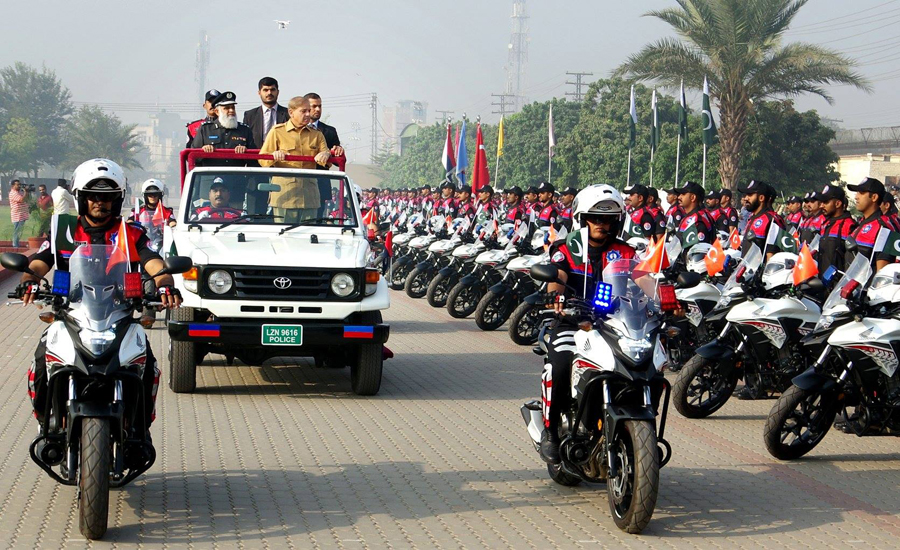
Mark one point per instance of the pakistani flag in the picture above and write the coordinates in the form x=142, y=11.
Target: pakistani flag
x=689, y=237
x=654, y=132
x=682, y=114
x=632, y=121
x=577, y=243
x=781, y=238
x=709, y=125
x=888, y=242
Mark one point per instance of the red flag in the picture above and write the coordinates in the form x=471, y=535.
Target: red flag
x=806, y=267
x=449, y=158
x=734, y=239
x=715, y=258
x=481, y=176
x=159, y=217
x=656, y=259
x=389, y=243
x=370, y=217
x=124, y=246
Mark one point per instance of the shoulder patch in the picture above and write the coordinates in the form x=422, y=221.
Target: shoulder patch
x=44, y=246
x=613, y=255
x=558, y=257
x=758, y=223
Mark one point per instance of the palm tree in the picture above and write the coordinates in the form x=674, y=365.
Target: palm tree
x=91, y=133
x=737, y=45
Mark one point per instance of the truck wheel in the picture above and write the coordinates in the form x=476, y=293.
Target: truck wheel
x=182, y=357
x=365, y=372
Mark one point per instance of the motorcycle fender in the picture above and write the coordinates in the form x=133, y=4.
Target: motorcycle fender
x=616, y=414
x=810, y=380
x=447, y=271
x=500, y=289
x=535, y=298
x=93, y=409
x=423, y=265
x=403, y=260
x=715, y=350
x=470, y=279
x=134, y=346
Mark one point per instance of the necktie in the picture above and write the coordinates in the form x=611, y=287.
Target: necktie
x=269, y=122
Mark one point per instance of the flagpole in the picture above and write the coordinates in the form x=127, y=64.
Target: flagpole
x=628, y=177
x=651, y=167
x=677, y=158
x=549, y=168
x=497, y=172
x=704, y=166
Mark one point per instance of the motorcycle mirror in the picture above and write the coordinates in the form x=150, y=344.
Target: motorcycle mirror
x=688, y=279
x=812, y=285
x=176, y=264
x=546, y=273
x=15, y=262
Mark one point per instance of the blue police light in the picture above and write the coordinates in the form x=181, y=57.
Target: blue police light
x=603, y=298
x=61, y=282
x=829, y=274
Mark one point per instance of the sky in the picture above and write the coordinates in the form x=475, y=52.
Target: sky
x=449, y=54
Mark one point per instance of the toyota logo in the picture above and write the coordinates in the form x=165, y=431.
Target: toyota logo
x=282, y=282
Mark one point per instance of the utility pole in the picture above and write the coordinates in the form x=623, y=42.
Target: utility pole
x=444, y=115
x=505, y=104
x=374, y=106
x=577, y=94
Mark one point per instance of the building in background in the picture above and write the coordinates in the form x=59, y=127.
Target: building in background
x=163, y=138
x=397, y=118
x=868, y=152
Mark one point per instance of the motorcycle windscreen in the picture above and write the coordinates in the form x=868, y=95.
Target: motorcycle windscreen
x=859, y=270
x=747, y=269
x=634, y=298
x=153, y=226
x=97, y=284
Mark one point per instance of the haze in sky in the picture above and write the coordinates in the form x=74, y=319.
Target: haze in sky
x=448, y=54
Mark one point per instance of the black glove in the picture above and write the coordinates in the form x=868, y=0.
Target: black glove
x=168, y=290
x=27, y=287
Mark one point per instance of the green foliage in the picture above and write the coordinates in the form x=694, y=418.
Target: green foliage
x=789, y=148
x=18, y=147
x=40, y=98
x=92, y=133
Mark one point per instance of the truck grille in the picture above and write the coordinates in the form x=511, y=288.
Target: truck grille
x=271, y=284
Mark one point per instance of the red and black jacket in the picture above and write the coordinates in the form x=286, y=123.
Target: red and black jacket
x=728, y=219
x=598, y=259
x=757, y=231
x=833, y=246
x=138, y=244
x=862, y=239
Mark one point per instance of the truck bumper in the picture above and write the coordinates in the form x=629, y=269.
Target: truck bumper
x=248, y=333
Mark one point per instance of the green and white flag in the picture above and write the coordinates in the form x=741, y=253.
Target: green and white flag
x=682, y=114
x=577, y=243
x=782, y=239
x=654, y=132
x=62, y=227
x=689, y=237
x=888, y=242
x=709, y=125
x=632, y=122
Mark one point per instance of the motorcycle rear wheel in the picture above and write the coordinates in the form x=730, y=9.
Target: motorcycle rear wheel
x=463, y=300
x=439, y=289
x=493, y=310
x=93, y=478
x=699, y=376
x=559, y=476
x=632, y=494
x=797, y=423
x=416, y=283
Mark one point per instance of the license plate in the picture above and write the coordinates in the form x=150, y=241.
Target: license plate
x=282, y=335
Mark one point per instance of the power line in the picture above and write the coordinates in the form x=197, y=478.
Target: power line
x=444, y=114
x=843, y=17
x=578, y=85
x=504, y=103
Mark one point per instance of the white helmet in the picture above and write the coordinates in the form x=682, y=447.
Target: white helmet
x=99, y=176
x=153, y=186
x=779, y=270
x=639, y=244
x=885, y=287
x=696, y=257
x=600, y=199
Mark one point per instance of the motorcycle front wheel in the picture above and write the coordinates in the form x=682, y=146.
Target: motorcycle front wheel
x=417, y=283
x=798, y=422
x=493, y=310
x=525, y=324
x=93, y=478
x=633, y=492
x=397, y=275
x=438, y=290
x=702, y=388
x=463, y=300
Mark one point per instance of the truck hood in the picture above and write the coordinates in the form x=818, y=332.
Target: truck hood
x=271, y=249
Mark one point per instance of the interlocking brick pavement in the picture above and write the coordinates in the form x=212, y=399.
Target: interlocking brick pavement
x=285, y=456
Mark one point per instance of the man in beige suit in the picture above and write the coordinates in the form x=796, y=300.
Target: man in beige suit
x=298, y=198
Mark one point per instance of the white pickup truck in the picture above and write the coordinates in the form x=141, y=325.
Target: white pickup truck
x=269, y=281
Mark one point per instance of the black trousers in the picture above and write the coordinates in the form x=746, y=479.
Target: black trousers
x=38, y=389
x=556, y=379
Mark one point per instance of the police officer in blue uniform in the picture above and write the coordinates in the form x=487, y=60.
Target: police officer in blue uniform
x=226, y=132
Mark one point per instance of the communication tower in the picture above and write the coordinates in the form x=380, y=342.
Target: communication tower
x=202, y=65
x=517, y=60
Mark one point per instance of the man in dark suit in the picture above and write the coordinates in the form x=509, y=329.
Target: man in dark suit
x=331, y=135
x=263, y=118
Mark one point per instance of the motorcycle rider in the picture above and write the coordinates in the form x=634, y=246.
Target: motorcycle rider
x=675, y=213
x=566, y=198
x=152, y=190
x=889, y=209
x=656, y=210
x=690, y=196
x=728, y=215
x=530, y=202
x=869, y=194
x=838, y=227
x=546, y=214
x=601, y=209
x=99, y=188
x=814, y=221
x=712, y=206
x=515, y=210
x=465, y=208
x=643, y=224
x=795, y=215
x=485, y=211
x=758, y=199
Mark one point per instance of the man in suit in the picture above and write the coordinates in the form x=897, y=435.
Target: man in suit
x=331, y=135
x=263, y=118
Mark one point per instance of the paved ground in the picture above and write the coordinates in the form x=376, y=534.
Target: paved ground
x=285, y=456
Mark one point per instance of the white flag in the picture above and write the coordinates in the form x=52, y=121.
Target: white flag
x=552, y=133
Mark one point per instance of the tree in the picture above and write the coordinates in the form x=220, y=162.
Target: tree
x=737, y=44
x=17, y=148
x=525, y=144
x=40, y=98
x=91, y=133
x=788, y=148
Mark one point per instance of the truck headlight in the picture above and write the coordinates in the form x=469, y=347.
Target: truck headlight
x=342, y=285
x=220, y=281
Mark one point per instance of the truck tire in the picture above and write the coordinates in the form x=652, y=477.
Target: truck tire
x=182, y=357
x=365, y=372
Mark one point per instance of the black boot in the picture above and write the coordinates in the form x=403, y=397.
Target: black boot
x=550, y=447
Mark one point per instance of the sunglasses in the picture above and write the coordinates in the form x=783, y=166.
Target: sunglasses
x=98, y=197
x=599, y=219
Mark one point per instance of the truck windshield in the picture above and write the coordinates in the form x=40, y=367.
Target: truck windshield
x=264, y=197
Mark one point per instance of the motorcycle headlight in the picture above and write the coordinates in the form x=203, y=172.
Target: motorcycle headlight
x=342, y=285
x=220, y=281
x=97, y=342
x=723, y=301
x=824, y=322
x=635, y=349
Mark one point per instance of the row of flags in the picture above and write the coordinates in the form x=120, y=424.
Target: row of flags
x=460, y=161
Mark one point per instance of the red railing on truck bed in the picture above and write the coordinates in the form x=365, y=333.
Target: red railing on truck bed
x=189, y=157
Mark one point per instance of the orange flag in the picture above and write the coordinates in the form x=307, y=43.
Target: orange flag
x=551, y=238
x=734, y=240
x=656, y=259
x=159, y=217
x=715, y=258
x=806, y=267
